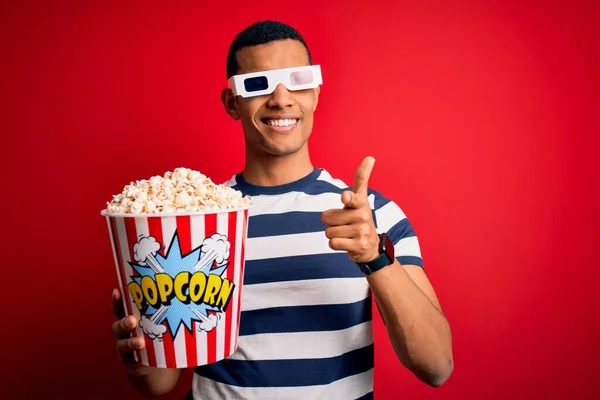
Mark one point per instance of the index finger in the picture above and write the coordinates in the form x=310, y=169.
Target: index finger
x=123, y=327
x=363, y=173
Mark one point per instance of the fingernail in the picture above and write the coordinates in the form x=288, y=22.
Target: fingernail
x=129, y=322
x=137, y=342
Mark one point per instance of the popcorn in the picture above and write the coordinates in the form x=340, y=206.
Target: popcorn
x=180, y=190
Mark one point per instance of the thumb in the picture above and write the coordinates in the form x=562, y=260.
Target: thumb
x=116, y=304
x=363, y=173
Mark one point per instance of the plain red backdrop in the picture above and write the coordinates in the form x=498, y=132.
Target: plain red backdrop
x=483, y=117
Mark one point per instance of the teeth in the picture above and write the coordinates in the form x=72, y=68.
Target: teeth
x=281, y=122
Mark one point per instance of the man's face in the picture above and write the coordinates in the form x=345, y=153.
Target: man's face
x=279, y=123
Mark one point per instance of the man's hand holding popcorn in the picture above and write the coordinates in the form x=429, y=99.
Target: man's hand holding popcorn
x=352, y=228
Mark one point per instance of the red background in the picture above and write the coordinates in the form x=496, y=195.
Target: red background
x=483, y=119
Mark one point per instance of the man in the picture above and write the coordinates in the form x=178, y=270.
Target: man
x=315, y=254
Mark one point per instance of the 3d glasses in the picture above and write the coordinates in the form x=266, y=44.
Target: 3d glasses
x=265, y=82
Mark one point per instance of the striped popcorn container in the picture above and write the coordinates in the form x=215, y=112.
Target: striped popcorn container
x=181, y=275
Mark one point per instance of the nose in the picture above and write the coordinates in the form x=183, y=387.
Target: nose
x=280, y=98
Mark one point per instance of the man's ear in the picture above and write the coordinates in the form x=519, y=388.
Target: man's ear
x=316, y=92
x=228, y=100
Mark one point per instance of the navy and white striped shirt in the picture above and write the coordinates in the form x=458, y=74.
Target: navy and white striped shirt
x=306, y=322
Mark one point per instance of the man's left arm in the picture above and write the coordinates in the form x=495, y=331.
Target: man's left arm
x=416, y=326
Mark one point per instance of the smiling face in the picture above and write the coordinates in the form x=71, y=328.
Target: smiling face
x=280, y=123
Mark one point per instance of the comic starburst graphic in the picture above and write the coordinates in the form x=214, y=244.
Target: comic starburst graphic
x=174, y=262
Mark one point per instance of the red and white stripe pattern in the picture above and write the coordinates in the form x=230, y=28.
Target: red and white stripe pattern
x=186, y=349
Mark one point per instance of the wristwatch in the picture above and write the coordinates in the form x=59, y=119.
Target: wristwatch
x=386, y=256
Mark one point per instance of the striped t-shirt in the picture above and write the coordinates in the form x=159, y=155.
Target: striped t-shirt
x=306, y=319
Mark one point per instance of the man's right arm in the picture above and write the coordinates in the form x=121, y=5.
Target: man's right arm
x=147, y=380
x=155, y=381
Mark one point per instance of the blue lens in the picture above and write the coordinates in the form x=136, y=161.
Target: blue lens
x=256, y=84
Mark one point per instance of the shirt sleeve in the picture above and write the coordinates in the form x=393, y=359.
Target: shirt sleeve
x=389, y=218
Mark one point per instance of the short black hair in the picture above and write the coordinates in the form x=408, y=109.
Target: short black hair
x=261, y=32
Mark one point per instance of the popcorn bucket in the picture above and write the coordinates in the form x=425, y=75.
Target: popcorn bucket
x=181, y=274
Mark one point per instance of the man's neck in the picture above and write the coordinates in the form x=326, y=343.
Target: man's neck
x=270, y=170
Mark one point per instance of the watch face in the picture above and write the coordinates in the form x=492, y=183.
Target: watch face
x=389, y=247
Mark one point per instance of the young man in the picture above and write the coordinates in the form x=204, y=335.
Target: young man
x=315, y=254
